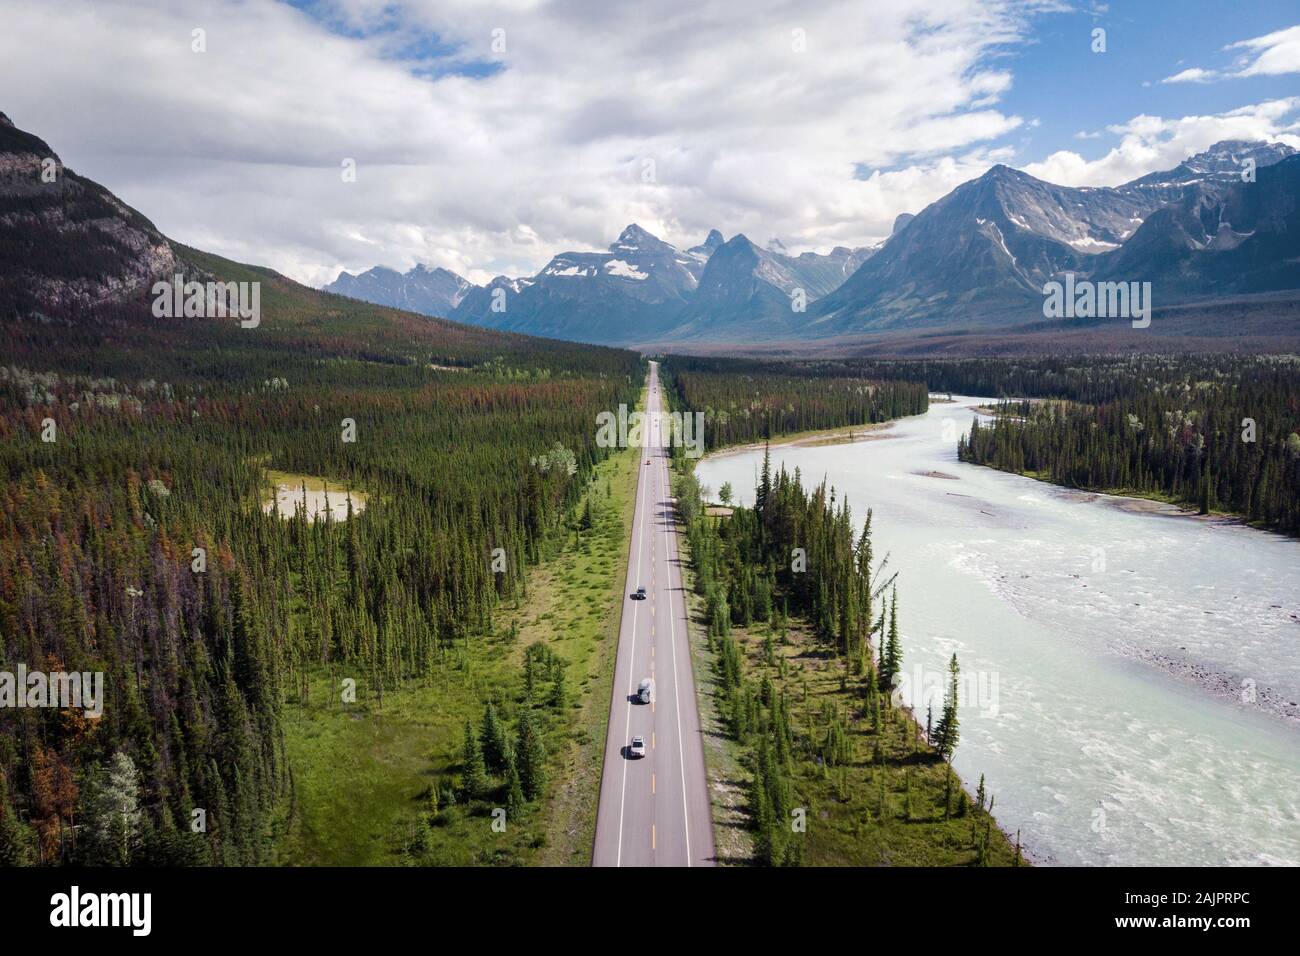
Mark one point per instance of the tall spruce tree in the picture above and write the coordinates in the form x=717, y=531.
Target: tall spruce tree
x=530, y=757
x=474, y=778
x=492, y=738
x=946, y=732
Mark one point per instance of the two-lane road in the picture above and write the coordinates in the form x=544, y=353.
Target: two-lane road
x=654, y=811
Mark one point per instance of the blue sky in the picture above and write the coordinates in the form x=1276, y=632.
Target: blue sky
x=1069, y=89
x=490, y=135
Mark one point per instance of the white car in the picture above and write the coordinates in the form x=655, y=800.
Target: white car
x=637, y=749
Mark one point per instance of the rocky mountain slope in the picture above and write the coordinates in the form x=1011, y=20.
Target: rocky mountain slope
x=67, y=243
x=1228, y=238
x=982, y=253
x=747, y=291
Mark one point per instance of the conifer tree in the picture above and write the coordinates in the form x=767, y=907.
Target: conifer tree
x=110, y=814
x=515, y=800
x=493, y=740
x=474, y=778
x=530, y=757
x=892, y=650
x=947, y=732
x=15, y=838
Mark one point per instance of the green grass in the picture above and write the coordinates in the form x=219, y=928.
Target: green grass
x=361, y=770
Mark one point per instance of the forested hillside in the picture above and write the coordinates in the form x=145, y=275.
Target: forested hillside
x=746, y=401
x=134, y=541
x=1218, y=434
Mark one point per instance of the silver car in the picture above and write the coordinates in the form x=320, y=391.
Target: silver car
x=637, y=749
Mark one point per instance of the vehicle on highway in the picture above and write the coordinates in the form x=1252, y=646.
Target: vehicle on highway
x=639, y=595
x=647, y=461
x=645, y=691
x=637, y=747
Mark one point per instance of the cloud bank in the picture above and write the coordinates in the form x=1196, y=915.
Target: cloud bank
x=489, y=135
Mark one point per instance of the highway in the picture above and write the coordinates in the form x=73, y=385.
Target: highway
x=654, y=810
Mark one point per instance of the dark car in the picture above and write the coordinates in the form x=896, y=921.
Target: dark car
x=639, y=595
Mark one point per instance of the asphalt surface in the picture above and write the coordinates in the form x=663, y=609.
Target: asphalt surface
x=654, y=810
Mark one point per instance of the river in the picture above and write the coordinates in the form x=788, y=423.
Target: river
x=1131, y=679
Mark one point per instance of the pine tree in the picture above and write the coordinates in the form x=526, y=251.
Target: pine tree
x=474, y=778
x=530, y=757
x=946, y=733
x=493, y=740
x=110, y=814
x=15, y=838
x=558, y=696
x=515, y=801
x=891, y=649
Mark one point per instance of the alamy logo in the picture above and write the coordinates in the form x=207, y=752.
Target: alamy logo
x=211, y=300
x=926, y=688
x=639, y=429
x=32, y=689
x=1085, y=299
x=72, y=909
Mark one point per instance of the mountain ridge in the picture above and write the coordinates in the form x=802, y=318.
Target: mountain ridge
x=978, y=256
x=1223, y=223
x=982, y=253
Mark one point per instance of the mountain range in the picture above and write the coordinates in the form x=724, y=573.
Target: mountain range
x=641, y=287
x=1223, y=222
x=428, y=291
x=981, y=254
x=975, y=260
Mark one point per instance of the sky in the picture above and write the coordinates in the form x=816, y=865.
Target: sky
x=488, y=135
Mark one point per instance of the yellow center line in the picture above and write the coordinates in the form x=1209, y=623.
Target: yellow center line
x=652, y=783
x=652, y=836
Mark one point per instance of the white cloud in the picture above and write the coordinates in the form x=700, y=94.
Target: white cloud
x=1152, y=142
x=1273, y=54
x=1270, y=55
x=1191, y=75
x=238, y=150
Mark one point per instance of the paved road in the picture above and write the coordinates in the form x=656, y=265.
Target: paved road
x=654, y=811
